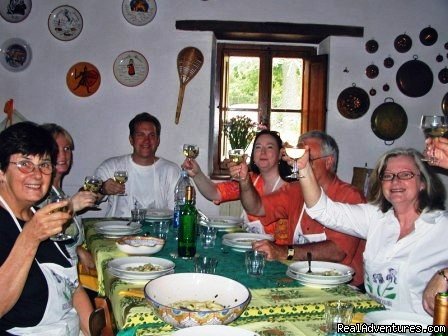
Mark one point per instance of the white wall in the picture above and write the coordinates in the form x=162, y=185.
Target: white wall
x=99, y=123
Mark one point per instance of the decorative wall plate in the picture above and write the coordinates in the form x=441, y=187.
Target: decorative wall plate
x=83, y=79
x=15, y=11
x=131, y=68
x=65, y=23
x=15, y=54
x=139, y=12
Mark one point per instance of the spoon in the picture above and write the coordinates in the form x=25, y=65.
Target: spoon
x=309, y=256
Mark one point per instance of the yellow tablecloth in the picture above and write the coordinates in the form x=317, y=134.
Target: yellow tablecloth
x=279, y=305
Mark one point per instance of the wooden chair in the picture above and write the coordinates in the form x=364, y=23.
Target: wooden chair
x=101, y=320
x=360, y=179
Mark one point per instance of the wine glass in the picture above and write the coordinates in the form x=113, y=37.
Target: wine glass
x=191, y=151
x=295, y=153
x=92, y=183
x=61, y=236
x=236, y=156
x=433, y=127
x=121, y=176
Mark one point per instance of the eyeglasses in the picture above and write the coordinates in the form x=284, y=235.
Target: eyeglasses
x=319, y=157
x=26, y=166
x=403, y=175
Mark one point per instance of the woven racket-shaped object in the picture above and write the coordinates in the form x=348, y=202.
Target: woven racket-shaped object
x=189, y=62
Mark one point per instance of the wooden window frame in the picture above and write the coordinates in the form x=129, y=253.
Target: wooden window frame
x=313, y=98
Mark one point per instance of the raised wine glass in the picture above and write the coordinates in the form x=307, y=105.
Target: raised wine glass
x=236, y=156
x=295, y=153
x=191, y=151
x=433, y=127
x=61, y=236
x=92, y=183
x=121, y=176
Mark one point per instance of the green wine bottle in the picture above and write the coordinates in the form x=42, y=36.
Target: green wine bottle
x=186, y=239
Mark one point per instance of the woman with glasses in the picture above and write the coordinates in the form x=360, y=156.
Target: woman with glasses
x=268, y=173
x=40, y=289
x=404, y=225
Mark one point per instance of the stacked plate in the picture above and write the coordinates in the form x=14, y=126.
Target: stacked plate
x=140, y=268
x=224, y=223
x=159, y=214
x=324, y=274
x=242, y=241
x=115, y=229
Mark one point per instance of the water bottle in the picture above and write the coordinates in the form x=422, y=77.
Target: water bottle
x=179, y=197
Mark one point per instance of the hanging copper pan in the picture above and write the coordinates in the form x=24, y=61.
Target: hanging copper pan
x=389, y=121
x=414, y=78
x=353, y=102
x=428, y=36
x=445, y=104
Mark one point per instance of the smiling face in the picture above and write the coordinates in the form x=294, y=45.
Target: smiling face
x=402, y=192
x=24, y=189
x=266, y=153
x=64, y=159
x=145, y=142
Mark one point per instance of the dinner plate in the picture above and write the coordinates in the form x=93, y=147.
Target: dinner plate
x=223, y=222
x=15, y=54
x=322, y=271
x=309, y=284
x=131, y=68
x=243, y=240
x=387, y=317
x=117, y=228
x=121, y=265
x=159, y=214
x=140, y=279
x=65, y=23
x=215, y=330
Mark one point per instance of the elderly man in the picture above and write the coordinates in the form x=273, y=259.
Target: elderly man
x=306, y=234
x=152, y=179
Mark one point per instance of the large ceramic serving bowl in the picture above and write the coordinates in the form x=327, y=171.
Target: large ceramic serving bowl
x=168, y=289
x=140, y=245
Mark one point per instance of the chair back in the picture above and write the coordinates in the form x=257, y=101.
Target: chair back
x=101, y=320
x=97, y=322
x=360, y=179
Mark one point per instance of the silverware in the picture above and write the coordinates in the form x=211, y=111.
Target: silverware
x=309, y=257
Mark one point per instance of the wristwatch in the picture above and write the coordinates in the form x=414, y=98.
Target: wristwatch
x=291, y=252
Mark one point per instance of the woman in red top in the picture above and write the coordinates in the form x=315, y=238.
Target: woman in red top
x=268, y=173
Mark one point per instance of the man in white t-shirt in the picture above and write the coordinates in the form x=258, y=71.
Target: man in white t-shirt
x=151, y=179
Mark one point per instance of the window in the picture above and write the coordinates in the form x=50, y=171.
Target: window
x=282, y=88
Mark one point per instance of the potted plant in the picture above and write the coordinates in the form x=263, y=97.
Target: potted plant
x=240, y=132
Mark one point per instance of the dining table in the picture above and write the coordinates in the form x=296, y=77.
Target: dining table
x=280, y=305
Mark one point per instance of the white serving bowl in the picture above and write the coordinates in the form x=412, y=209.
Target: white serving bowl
x=168, y=289
x=140, y=245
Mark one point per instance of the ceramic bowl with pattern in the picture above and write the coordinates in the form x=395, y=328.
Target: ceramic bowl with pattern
x=192, y=290
x=140, y=245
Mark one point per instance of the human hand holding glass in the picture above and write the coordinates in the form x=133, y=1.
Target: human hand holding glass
x=433, y=127
x=68, y=208
x=295, y=153
x=191, y=151
x=121, y=176
x=236, y=156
